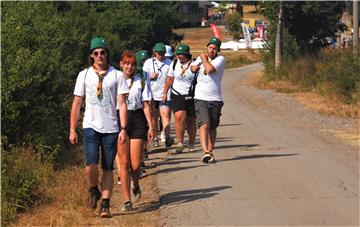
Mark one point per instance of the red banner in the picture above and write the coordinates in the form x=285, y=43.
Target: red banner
x=215, y=30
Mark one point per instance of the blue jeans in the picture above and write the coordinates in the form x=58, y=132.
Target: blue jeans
x=108, y=143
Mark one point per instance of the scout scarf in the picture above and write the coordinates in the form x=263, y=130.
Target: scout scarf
x=101, y=75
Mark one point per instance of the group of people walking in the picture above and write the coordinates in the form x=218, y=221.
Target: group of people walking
x=122, y=108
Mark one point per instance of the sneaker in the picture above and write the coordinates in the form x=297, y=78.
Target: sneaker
x=137, y=192
x=212, y=159
x=206, y=157
x=118, y=181
x=142, y=173
x=192, y=148
x=127, y=206
x=162, y=137
x=169, y=141
x=179, y=148
x=94, y=197
x=146, y=155
x=156, y=142
x=105, y=211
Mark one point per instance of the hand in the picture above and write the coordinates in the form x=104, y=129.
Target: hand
x=122, y=137
x=194, y=68
x=164, y=98
x=154, y=75
x=203, y=57
x=151, y=134
x=73, y=138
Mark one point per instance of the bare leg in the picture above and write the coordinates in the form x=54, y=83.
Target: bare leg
x=212, y=138
x=204, y=135
x=136, y=148
x=191, y=129
x=92, y=175
x=180, y=125
x=124, y=154
x=165, y=113
x=107, y=182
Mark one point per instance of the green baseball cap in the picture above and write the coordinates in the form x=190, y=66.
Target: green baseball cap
x=141, y=55
x=183, y=49
x=160, y=47
x=98, y=42
x=215, y=41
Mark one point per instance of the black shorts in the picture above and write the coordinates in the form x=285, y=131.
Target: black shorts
x=182, y=102
x=137, y=126
x=208, y=112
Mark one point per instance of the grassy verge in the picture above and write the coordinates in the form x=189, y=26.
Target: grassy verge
x=197, y=39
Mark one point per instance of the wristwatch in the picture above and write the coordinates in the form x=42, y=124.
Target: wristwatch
x=122, y=128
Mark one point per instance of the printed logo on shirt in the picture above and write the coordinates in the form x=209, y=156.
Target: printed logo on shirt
x=92, y=98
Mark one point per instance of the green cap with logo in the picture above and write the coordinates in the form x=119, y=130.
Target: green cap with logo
x=215, y=41
x=98, y=42
x=160, y=47
x=183, y=49
x=141, y=55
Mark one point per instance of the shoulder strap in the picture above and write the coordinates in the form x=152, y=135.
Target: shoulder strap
x=174, y=63
x=142, y=84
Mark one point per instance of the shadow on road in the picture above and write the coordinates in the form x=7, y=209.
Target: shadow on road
x=254, y=156
x=169, y=170
x=190, y=195
x=223, y=125
x=245, y=146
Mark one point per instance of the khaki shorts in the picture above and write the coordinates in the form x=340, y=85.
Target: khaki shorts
x=208, y=112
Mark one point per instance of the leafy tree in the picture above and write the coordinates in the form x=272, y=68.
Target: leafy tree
x=233, y=24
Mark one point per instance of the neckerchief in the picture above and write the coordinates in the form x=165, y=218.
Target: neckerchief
x=159, y=68
x=101, y=75
x=183, y=70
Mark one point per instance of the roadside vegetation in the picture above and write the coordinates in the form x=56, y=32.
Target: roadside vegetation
x=44, y=46
x=308, y=63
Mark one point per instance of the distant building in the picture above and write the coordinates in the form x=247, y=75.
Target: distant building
x=192, y=12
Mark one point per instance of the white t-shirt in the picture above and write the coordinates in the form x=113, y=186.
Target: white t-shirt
x=139, y=92
x=152, y=65
x=208, y=87
x=100, y=112
x=182, y=82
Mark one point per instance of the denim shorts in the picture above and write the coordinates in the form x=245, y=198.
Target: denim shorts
x=94, y=140
x=208, y=112
x=160, y=104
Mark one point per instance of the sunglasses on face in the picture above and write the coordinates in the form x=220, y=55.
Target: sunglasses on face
x=96, y=53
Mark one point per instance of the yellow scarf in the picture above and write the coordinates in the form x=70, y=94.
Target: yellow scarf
x=101, y=75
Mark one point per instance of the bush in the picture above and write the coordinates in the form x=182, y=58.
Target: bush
x=233, y=24
x=24, y=178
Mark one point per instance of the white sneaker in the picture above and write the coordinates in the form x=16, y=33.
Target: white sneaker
x=192, y=148
x=162, y=137
x=179, y=148
x=156, y=143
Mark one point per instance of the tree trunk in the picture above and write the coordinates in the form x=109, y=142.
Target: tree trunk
x=278, y=38
x=355, y=27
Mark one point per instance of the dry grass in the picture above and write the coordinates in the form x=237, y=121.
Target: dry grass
x=68, y=206
x=197, y=39
x=326, y=104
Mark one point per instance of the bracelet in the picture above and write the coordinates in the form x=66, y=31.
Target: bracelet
x=72, y=130
x=122, y=128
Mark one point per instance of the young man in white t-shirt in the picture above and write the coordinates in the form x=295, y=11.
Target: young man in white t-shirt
x=104, y=88
x=156, y=69
x=208, y=98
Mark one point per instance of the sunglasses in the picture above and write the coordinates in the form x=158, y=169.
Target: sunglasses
x=96, y=53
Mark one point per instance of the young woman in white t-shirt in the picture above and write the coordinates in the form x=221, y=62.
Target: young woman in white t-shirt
x=139, y=128
x=180, y=78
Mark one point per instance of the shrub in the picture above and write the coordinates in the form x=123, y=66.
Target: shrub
x=233, y=24
x=24, y=178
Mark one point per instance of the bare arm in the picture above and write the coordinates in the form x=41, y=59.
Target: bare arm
x=123, y=117
x=209, y=68
x=147, y=112
x=74, y=116
x=168, y=83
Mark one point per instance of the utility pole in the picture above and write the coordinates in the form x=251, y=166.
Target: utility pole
x=355, y=26
x=278, y=38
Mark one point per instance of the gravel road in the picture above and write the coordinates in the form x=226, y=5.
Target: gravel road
x=278, y=164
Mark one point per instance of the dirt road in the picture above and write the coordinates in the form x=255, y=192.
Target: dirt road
x=276, y=165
